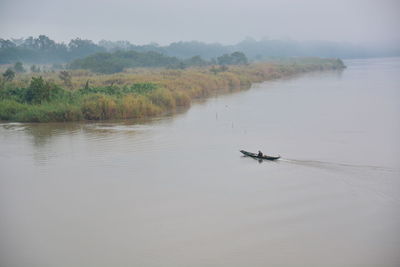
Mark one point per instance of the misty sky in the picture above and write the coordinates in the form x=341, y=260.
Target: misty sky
x=224, y=21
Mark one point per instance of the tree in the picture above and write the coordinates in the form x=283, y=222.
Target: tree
x=18, y=67
x=35, y=68
x=236, y=58
x=39, y=91
x=6, y=44
x=9, y=74
x=29, y=43
x=196, y=61
x=224, y=59
x=43, y=43
x=81, y=48
x=65, y=76
x=87, y=86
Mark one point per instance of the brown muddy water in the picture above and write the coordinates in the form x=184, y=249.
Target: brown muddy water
x=175, y=191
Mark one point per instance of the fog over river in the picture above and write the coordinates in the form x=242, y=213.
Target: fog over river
x=175, y=191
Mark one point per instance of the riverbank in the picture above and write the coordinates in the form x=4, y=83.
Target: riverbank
x=82, y=95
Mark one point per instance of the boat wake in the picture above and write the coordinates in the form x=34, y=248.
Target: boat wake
x=336, y=165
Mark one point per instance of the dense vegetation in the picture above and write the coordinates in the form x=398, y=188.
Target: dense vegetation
x=43, y=50
x=119, y=60
x=84, y=95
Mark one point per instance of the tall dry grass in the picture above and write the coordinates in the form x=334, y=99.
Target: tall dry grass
x=137, y=93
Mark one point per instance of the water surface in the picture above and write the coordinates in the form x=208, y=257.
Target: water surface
x=175, y=191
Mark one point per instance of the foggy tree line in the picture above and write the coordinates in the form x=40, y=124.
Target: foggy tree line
x=42, y=50
x=120, y=60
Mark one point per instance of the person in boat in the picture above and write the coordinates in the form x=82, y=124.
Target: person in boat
x=260, y=154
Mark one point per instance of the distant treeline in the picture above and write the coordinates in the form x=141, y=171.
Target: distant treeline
x=43, y=50
x=119, y=60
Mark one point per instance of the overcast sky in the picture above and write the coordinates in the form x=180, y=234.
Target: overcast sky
x=224, y=21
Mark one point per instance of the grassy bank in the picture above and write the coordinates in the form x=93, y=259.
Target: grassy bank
x=135, y=93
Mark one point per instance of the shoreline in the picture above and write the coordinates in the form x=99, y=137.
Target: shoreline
x=136, y=93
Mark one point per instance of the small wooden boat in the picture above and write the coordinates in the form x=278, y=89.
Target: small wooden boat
x=254, y=155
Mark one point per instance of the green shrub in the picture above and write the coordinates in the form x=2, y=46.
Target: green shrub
x=12, y=110
x=141, y=88
x=9, y=74
x=9, y=109
x=14, y=93
x=38, y=91
x=109, y=90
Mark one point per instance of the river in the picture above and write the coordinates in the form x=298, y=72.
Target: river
x=175, y=191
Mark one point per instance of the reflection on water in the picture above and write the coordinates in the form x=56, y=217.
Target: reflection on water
x=175, y=191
